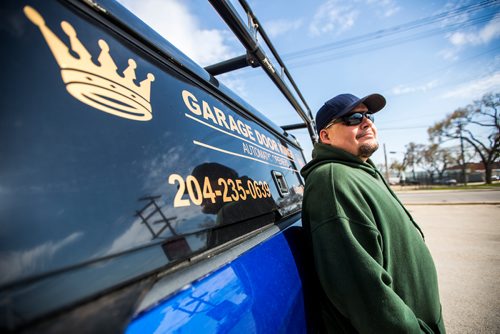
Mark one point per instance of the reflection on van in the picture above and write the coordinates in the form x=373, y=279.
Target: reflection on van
x=138, y=193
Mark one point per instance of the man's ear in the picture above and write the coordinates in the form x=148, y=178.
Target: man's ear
x=325, y=137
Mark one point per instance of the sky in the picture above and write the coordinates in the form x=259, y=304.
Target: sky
x=427, y=58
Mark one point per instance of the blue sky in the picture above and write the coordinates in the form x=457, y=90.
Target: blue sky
x=427, y=58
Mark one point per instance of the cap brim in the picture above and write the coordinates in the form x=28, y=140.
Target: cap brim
x=374, y=103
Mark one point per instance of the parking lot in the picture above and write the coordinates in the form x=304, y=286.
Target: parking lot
x=464, y=238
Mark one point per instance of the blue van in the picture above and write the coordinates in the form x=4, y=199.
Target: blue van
x=138, y=194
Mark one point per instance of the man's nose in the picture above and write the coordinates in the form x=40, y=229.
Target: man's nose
x=365, y=123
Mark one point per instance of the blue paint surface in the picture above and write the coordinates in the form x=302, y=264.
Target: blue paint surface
x=260, y=292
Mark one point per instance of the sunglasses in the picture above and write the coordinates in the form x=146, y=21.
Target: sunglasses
x=352, y=119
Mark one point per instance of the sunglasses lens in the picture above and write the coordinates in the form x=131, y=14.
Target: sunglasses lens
x=354, y=119
x=357, y=118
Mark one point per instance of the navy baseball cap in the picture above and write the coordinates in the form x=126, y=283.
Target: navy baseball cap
x=343, y=104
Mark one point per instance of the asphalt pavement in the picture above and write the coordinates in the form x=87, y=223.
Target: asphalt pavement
x=463, y=235
x=451, y=196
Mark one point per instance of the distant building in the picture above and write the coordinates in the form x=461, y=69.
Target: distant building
x=475, y=172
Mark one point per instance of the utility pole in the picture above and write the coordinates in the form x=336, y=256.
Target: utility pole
x=464, y=171
x=386, y=168
x=413, y=169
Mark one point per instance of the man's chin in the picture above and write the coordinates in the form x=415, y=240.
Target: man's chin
x=366, y=150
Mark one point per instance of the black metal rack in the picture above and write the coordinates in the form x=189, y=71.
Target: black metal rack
x=256, y=57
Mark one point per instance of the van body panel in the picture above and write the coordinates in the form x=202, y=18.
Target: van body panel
x=123, y=160
x=260, y=292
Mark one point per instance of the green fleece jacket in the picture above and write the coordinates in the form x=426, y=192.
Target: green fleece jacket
x=376, y=273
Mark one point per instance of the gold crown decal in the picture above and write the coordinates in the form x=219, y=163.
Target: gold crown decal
x=98, y=86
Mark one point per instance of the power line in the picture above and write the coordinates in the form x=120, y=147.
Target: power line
x=390, y=31
x=393, y=30
x=385, y=44
x=404, y=128
x=465, y=60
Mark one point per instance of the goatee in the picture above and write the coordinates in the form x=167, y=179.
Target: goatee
x=366, y=150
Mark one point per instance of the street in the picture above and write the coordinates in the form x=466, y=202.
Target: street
x=450, y=196
x=465, y=242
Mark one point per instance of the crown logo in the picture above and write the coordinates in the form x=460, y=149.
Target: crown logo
x=98, y=86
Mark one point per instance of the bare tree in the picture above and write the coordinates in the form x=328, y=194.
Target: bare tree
x=412, y=156
x=399, y=168
x=435, y=160
x=467, y=124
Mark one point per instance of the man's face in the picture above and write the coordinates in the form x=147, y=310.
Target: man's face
x=359, y=140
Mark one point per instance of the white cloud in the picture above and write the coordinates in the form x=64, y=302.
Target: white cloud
x=482, y=36
x=338, y=16
x=387, y=7
x=459, y=16
x=173, y=20
x=449, y=54
x=461, y=39
x=402, y=89
x=475, y=89
x=279, y=27
x=13, y=264
x=233, y=82
x=333, y=17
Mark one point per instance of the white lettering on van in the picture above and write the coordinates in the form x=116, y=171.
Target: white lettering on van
x=191, y=102
x=216, y=116
x=266, y=147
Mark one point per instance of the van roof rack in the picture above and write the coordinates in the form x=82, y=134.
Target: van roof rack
x=256, y=57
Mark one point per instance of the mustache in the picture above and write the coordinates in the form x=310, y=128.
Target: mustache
x=364, y=133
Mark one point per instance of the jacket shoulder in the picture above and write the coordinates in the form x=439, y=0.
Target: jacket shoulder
x=330, y=169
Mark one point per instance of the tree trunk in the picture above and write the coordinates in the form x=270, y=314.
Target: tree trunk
x=487, y=173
